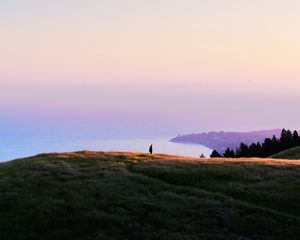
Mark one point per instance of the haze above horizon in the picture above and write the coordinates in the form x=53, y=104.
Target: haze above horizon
x=170, y=66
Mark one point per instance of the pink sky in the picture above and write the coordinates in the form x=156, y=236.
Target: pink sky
x=204, y=65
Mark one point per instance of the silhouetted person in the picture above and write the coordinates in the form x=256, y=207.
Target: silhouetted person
x=151, y=149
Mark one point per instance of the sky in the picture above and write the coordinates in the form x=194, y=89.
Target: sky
x=172, y=66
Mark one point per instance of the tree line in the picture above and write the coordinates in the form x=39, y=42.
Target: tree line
x=269, y=147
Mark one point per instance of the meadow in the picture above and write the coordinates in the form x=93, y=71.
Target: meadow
x=115, y=195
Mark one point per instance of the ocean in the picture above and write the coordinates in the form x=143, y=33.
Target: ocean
x=14, y=147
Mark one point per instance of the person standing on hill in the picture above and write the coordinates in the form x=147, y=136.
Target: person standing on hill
x=151, y=149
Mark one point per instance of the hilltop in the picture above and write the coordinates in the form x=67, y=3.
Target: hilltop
x=114, y=195
x=221, y=140
x=293, y=153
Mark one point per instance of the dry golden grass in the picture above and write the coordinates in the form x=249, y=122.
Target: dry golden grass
x=178, y=158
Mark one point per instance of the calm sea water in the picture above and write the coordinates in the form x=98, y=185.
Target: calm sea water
x=13, y=148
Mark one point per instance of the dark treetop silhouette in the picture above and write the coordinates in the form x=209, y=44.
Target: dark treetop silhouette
x=269, y=147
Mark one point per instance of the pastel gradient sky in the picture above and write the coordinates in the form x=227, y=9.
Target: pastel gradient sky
x=181, y=65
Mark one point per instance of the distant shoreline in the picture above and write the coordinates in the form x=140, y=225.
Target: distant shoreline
x=221, y=140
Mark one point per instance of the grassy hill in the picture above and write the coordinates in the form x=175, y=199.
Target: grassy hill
x=293, y=153
x=98, y=195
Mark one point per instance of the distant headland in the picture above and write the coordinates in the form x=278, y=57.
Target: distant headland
x=221, y=140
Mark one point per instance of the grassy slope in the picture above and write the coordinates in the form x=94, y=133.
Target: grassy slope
x=89, y=195
x=293, y=153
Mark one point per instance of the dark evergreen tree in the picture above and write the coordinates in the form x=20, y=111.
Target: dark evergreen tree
x=229, y=153
x=275, y=145
x=283, y=136
x=255, y=150
x=296, y=139
x=243, y=151
x=259, y=149
x=215, y=154
x=269, y=147
x=286, y=139
x=289, y=139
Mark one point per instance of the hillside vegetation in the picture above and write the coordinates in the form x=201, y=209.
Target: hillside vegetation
x=269, y=147
x=293, y=153
x=100, y=195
